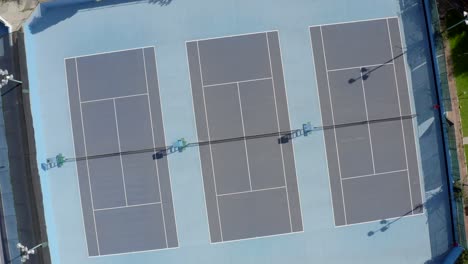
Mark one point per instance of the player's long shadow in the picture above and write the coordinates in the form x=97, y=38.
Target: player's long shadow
x=366, y=72
x=386, y=224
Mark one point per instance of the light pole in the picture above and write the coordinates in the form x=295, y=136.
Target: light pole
x=465, y=20
x=5, y=77
x=25, y=252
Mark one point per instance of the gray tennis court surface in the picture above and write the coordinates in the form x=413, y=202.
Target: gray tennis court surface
x=238, y=90
x=115, y=107
x=373, y=165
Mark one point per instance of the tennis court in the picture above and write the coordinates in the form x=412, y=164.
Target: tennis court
x=372, y=164
x=115, y=108
x=238, y=91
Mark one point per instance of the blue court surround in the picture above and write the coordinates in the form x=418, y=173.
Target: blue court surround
x=68, y=31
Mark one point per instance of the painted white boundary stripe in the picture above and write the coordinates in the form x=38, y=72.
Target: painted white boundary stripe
x=334, y=130
x=74, y=153
x=209, y=139
x=321, y=120
x=197, y=138
x=359, y=67
x=256, y=238
x=354, y=21
x=133, y=252
x=279, y=129
x=154, y=147
x=86, y=155
x=113, y=98
x=245, y=141
x=234, y=35
x=127, y=206
x=120, y=151
x=165, y=140
x=401, y=121
x=378, y=220
x=244, y=81
x=413, y=127
x=256, y=190
x=289, y=123
x=374, y=174
x=107, y=52
x=368, y=123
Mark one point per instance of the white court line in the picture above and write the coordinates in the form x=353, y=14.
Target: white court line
x=375, y=174
x=245, y=141
x=252, y=80
x=165, y=140
x=354, y=21
x=251, y=191
x=368, y=123
x=106, y=52
x=197, y=137
x=279, y=129
x=112, y=98
x=359, y=67
x=334, y=130
x=126, y=206
x=258, y=237
x=86, y=155
x=209, y=139
x=401, y=120
x=74, y=152
x=424, y=63
x=231, y=36
x=415, y=133
x=289, y=123
x=378, y=220
x=154, y=147
x=134, y=252
x=3, y=213
x=419, y=66
x=120, y=151
x=323, y=133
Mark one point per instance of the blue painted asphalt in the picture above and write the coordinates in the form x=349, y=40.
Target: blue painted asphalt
x=70, y=31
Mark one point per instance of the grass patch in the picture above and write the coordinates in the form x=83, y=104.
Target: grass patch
x=466, y=150
x=458, y=39
x=463, y=259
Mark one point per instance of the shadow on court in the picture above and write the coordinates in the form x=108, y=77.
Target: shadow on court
x=51, y=14
x=386, y=224
x=430, y=205
x=365, y=72
x=431, y=146
x=160, y=2
x=283, y=137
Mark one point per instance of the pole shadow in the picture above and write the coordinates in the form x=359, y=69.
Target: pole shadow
x=386, y=224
